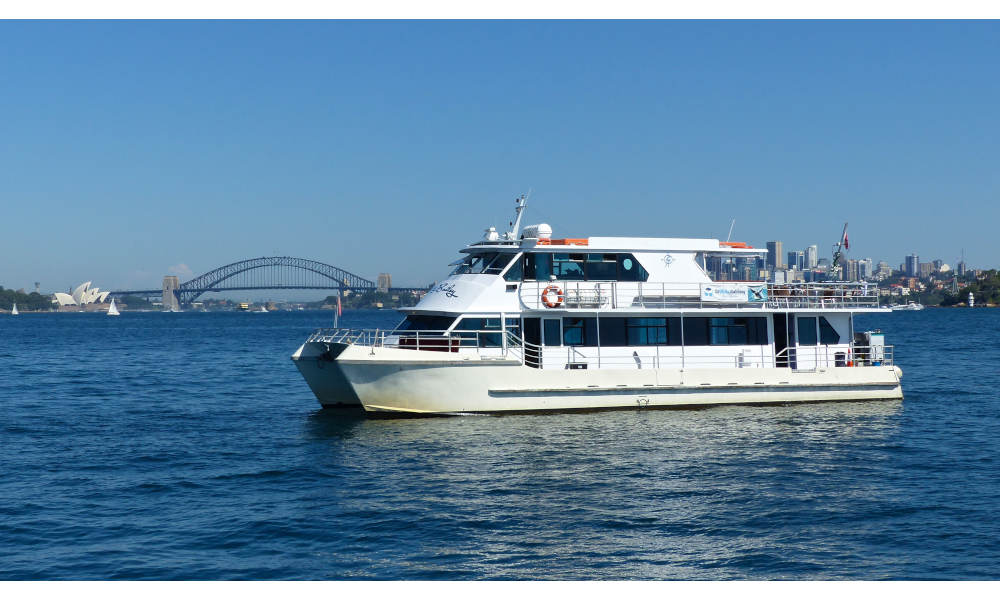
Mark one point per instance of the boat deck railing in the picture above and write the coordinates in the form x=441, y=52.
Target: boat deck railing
x=625, y=295
x=493, y=344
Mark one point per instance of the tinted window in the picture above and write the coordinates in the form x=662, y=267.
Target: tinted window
x=695, y=331
x=425, y=323
x=568, y=267
x=602, y=267
x=486, y=340
x=641, y=331
x=827, y=334
x=516, y=270
x=499, y=263
x=475, y=263
x=807, y=331
x=551, y=330
x=725, y=331
x=613, y=331
x=537, y=267
x=629, y=269
x=579, y=331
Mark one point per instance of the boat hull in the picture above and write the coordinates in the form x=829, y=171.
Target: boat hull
x=317, y=364
x=416, y=382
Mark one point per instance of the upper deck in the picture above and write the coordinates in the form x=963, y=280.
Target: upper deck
x=642, y=296
x=534, y=271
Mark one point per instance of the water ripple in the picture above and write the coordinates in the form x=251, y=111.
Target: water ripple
x=188, y=447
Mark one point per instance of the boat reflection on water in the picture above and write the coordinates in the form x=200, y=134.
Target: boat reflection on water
x=831, y=421
x=724, y=492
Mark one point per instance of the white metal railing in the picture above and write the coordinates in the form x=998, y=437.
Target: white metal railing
x=496, y=344
x=612, y=295
x=431, y=340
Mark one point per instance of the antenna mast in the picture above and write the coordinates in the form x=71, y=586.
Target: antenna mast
x=731, y=225
x=521, y=202
x=838, y=256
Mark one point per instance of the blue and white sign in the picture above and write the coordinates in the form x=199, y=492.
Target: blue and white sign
x=734, y=293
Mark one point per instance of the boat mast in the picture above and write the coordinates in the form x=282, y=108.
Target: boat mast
x=521, y=202
x=838, y=256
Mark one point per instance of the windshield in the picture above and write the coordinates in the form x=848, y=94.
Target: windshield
x=491, y=263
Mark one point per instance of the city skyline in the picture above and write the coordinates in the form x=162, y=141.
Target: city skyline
x=133, y=150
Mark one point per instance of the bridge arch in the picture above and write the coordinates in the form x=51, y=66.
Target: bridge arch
x=272, y=272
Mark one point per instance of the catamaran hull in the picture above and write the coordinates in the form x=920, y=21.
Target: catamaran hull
x=317, y=364
x=407, y=381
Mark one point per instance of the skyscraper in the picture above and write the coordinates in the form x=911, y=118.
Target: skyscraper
x=851, y=273
x=796, y=260
x=865, y=269
x=775, y=260
x=384, y=282
x=812, y=257
x=913, y=265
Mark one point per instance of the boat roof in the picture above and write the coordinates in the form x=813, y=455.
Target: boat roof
x=602, y=244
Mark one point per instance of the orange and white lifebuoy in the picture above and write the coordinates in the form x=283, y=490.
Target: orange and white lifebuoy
x=547, y=298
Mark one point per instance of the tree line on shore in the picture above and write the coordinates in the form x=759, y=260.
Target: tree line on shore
x=985, y=290
x=32, y=301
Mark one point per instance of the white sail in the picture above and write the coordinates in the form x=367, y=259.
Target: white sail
x=14, y=311
x=113, y=310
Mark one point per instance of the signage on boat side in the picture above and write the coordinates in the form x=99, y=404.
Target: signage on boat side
x=740, y=293
x=447, y=288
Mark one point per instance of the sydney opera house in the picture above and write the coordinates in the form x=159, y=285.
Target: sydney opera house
x=81, y=296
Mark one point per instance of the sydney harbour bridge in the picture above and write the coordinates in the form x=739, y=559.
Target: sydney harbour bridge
x=264, y=273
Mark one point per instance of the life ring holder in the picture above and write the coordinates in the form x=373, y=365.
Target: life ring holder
x=559, y=296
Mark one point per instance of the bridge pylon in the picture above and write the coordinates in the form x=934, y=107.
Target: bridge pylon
x=170, y=300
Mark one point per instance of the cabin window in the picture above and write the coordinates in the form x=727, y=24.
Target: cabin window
x=725, y=331
x=640, y=331
x=498, y=264
x=602, y=267
x=807, y=331
x=568, y=267
x=613, y=331
x=629, y=269
x=477, y=263
x=515, y=272
x=537, y=267
x=425, y=323
x=467, y=327
x=577, y=267
x=579, y=331
x=827, y=334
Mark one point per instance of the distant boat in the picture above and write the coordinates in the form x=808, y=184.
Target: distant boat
x=909, y=306
x=262, y=309
x=113, y=310
x=14, y=311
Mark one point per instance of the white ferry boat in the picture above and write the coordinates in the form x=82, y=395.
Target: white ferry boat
x=909, y=306
x=531, y=323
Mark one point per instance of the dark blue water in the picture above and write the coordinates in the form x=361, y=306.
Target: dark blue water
x=187, y=446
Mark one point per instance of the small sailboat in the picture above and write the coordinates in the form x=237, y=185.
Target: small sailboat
x=14, y=310
x=113, y=310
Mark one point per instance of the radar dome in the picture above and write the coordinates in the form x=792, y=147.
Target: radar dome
x=541, y=231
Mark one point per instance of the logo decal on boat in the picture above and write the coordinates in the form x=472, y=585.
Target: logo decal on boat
x=447, y=288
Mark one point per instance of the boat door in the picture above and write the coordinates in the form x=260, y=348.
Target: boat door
x=784, y=339
x=552, y=332
x=532, y=341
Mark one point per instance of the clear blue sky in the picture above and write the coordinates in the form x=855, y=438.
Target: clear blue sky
x=128, y=148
